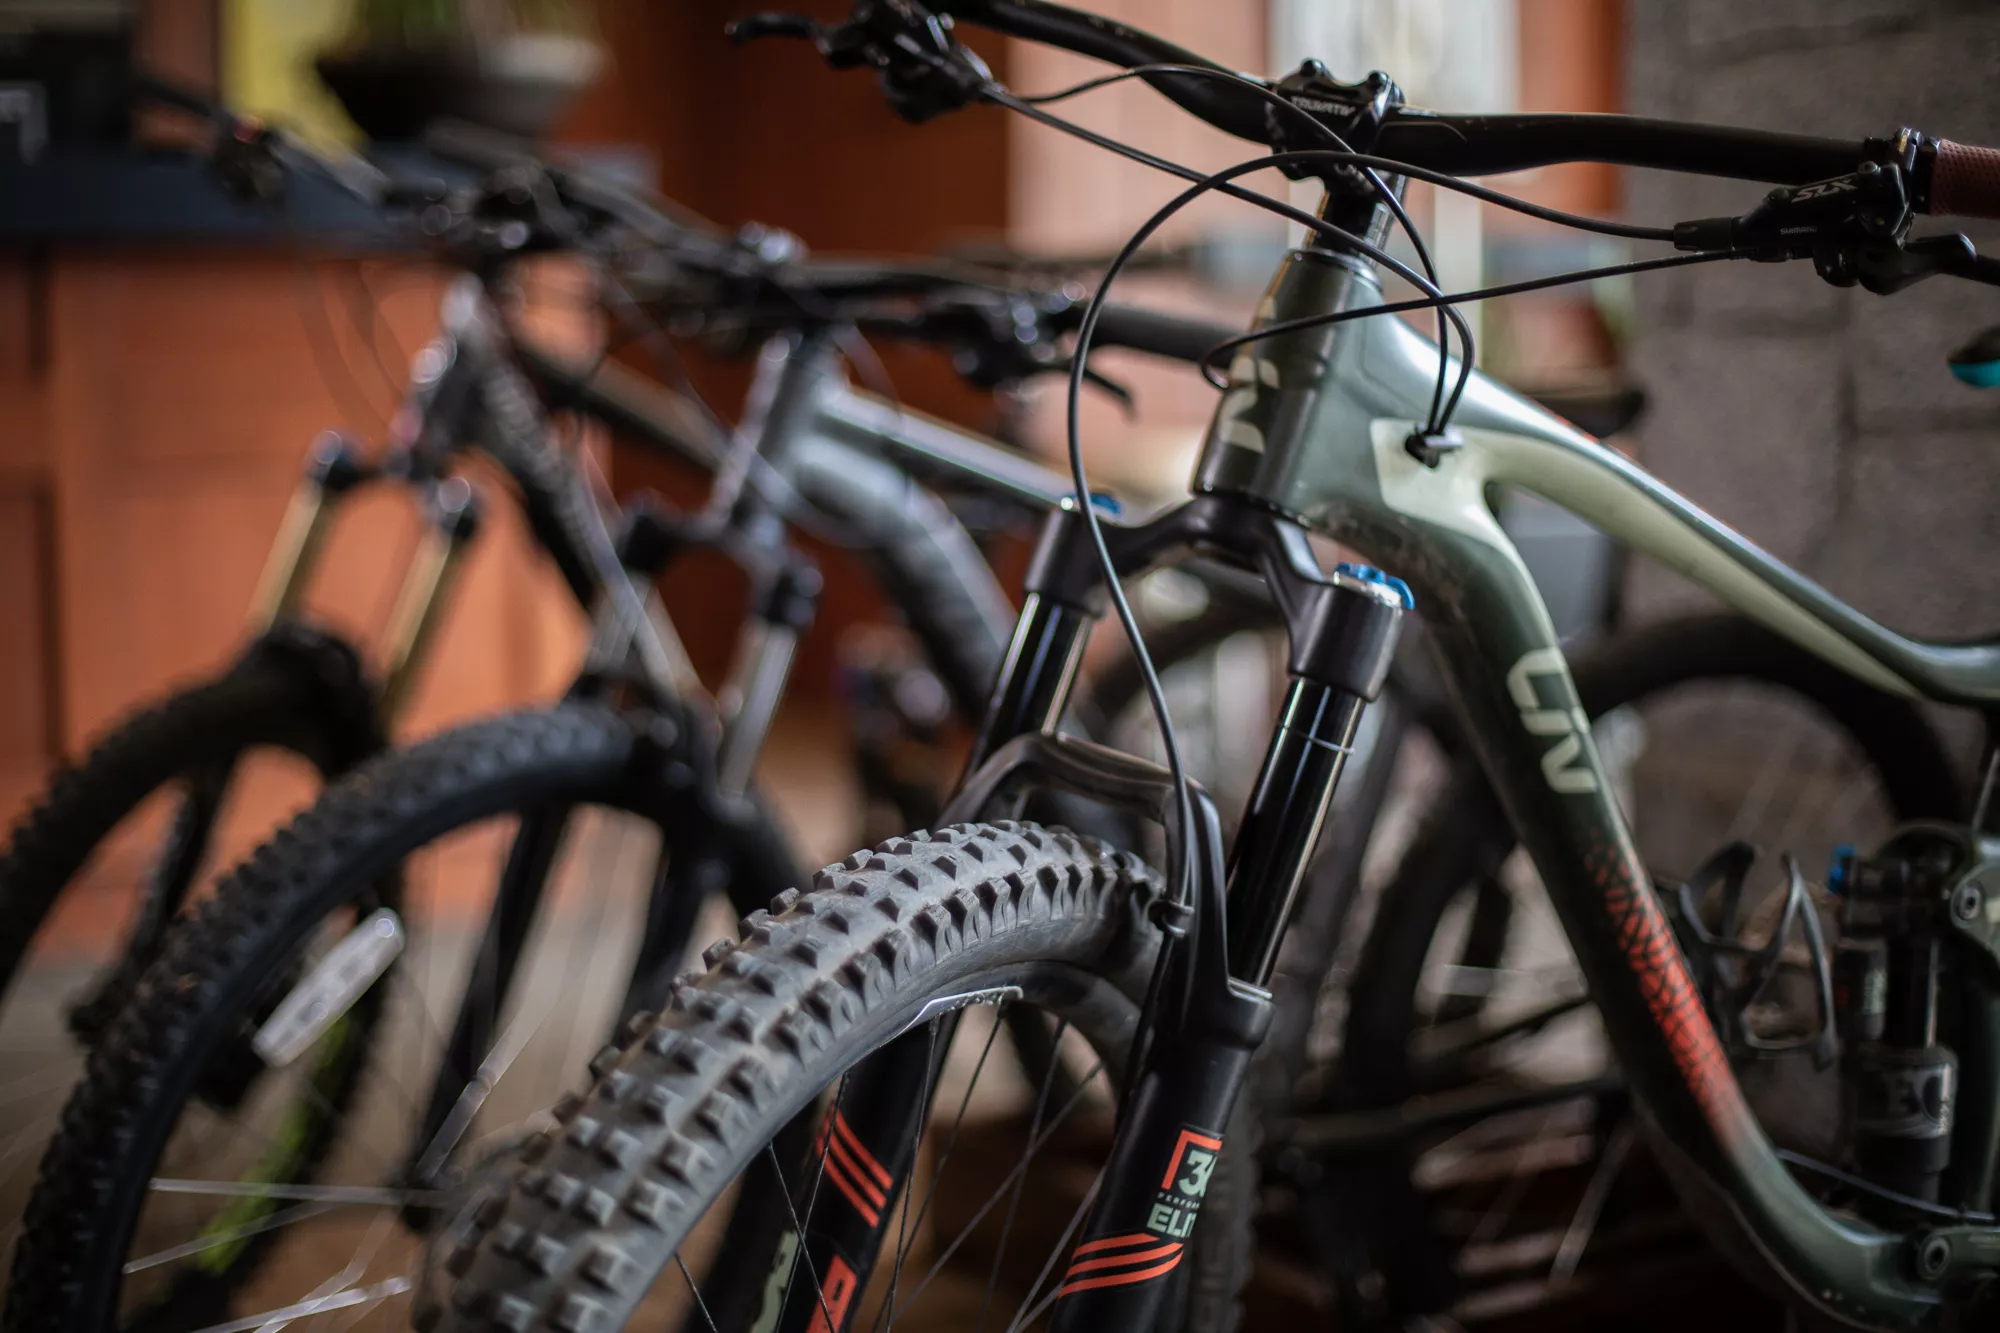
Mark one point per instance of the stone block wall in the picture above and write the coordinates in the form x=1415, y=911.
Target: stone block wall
x=1822, y=423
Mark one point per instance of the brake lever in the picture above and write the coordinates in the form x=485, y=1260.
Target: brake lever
x=923, y=69
x=1885, y=268
x=1974, y=267
x=752, y=27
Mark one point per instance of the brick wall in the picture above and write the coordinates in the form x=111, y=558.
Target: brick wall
x=1822, y=423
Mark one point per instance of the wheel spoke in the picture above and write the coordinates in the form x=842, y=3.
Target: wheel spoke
x=1356, y=1131
x=905, y=1230
x=283, y=1218
x=799, y=1254
x=1589, y=1208
x=339, y=1300
x=694, y=1289
x=1055, y=1123
x=473, y=1096
x=1451, y=1047
x=28, y=1085
x=377, y=1196
x=951, y=1141
x=1021, y=1178
x=1027, y=1314
x=1770, y=777
x=357, y=1263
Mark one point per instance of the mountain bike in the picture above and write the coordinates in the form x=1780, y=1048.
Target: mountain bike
x=839, y=1007
x=448, y=919
x=142, y=807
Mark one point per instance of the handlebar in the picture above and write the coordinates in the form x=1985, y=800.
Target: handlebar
x=1227, y=107
x=1460, y=145
x=1171, y=337
x=1010, y=330
x=1948, y=178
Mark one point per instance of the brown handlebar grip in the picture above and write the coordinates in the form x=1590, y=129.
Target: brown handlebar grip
x=1965, y=181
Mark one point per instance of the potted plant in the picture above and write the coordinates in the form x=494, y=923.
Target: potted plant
x=510, y=65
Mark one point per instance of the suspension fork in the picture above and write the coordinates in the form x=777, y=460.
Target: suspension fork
x=452, y=511
x=1214, y=1009
x=334, y=468
x=1343, y=633
x=869, y=1138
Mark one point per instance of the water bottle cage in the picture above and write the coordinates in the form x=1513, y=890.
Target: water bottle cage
x=1736, y=976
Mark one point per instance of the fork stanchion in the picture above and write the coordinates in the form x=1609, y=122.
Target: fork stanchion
x=1127, y=1267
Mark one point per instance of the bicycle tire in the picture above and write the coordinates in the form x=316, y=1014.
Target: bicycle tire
x=1465, y=832
x=66, y=1270
x=275, y=700
x=820, y=980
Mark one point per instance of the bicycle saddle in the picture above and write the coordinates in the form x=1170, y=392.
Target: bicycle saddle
x=1978, y=362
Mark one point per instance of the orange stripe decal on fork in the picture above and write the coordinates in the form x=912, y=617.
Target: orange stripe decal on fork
x=1120, y=1279
x=1172, y=1247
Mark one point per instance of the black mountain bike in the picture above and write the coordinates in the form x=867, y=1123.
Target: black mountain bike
x=814, y=1063
x=476, y=906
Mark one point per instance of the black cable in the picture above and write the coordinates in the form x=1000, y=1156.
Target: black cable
x=1368, y=163
x=335, y=371
x=1963, y=1216
x=1190, y=840
x=364, y=316
x=1577, y=221
x=1004, y=98
x=1219, y=181
x=1213, y=359
x=1388, y=196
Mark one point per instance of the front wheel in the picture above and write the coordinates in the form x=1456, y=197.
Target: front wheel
x=123, y=840
x=698, y=1120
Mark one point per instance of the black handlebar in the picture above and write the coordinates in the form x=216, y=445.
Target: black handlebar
x=1459, y=145
x=1170, y=336
x=1228, y=107
x=1485, y=145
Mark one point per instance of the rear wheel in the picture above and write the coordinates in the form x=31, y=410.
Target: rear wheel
x=698, y=1121
x=1467, y=995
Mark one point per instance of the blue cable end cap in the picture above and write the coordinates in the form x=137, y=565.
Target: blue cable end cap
x=1841, y=867
x=1370, y=574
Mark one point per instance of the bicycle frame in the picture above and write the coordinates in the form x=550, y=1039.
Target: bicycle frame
x=1331, y=410
x=1314, y=425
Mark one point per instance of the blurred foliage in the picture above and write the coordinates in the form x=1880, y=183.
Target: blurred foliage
x=430, y=23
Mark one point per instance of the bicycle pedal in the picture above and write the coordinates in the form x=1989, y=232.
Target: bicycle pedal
x=1737, y=974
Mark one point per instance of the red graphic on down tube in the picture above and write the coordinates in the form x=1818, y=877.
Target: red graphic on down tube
x=1669, y=992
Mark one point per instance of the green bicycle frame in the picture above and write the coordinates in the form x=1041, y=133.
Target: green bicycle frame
x=1314, y=425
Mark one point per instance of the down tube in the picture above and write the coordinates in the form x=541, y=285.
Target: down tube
x=1500, y=653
